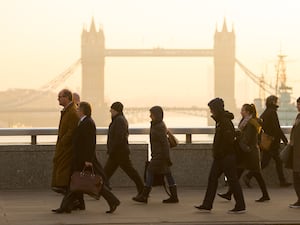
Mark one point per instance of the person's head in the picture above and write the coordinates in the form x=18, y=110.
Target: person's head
x=116, y=108
x=298, y=104
x=249, y=110
x=84, y=109
x=156, y=113
x=216, y=106
x=271, y=101
x=64, y=97
x=76, y=98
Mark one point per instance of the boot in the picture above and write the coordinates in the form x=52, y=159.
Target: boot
x=173, y=198
x=110, y=198
x=143, y=197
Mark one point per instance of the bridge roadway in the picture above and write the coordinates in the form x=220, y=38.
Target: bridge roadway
x=33, y=207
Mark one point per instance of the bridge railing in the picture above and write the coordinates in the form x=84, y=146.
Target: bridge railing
x=33, y=133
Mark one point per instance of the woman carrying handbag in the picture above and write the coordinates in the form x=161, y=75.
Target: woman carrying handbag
x=160, y=162
x=84, y=155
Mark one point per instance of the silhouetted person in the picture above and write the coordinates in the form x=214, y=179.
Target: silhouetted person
x=295, y=142
x=271, y=127
x=63, y=152
x=76, y=98
x=118, y=147
x=160, y=162
x=224, y=159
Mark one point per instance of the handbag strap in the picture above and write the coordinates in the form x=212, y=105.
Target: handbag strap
x=84, y=169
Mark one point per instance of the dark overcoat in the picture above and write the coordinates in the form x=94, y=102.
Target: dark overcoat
x=117, y=138
x=271, y=127
x=295, y=141
x=249, y=137
x=84, y=146
x=160, y=150
x=63, y=153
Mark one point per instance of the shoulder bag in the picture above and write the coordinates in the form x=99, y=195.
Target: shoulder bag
x=173, y=141
x=265, y=141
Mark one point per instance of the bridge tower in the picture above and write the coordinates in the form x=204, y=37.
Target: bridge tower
x=224, y=64
x=93, y=60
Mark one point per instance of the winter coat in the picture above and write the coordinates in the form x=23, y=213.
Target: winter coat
x=117, y=138
x=223, y=143
x=84, y=146
x=249, y=137
x=271, y=127
x=295, y=141
x=63, y=153
x=160, y=150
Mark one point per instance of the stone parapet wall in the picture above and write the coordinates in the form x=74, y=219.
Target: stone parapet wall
x=30, y=166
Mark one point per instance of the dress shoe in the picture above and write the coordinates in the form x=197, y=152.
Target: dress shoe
x=247, y=181
x=285, y=184
x=237, y=211
x=202, y=208
x=225, y=196
x=263, y=199
x=296, y=205
x=60, y=210
x=113, y=207
x=60, y=190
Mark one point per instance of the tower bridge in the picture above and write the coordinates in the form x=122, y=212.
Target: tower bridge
x=92, y=61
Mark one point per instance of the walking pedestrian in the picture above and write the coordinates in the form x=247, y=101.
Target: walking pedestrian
x=295, y=142
x=118, y=147
x=224, y=159
x=63, y=150
x=160, y=162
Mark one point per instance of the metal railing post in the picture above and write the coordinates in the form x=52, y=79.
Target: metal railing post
x=33, y=139
x=188, y=138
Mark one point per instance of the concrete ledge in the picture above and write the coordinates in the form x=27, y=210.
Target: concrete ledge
x=30, y=166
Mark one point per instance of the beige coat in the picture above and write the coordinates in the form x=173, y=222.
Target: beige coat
x=295, y=141
x=63, y=153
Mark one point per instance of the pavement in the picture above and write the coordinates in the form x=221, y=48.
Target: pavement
x=33, y=207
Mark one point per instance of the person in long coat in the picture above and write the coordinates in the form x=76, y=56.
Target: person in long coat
x=295, y=142
x=224, y=159
x=160, y=157
x=271, y=126
x=248, y=151
x=84, y=155
x=63, y=152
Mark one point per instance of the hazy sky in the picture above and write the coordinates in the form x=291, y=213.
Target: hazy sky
x=41, y=38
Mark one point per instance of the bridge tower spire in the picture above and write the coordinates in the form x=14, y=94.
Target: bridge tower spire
x=92, y=59
x=224, y=65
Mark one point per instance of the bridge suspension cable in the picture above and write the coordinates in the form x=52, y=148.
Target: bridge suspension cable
x=53, y=84
x=257, y=80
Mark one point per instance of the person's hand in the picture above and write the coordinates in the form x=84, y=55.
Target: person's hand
x=88, y=164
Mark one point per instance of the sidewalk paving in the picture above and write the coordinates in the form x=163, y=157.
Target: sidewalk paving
x=33, y=207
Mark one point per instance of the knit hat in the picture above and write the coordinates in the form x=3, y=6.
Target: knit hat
x=217, y=104
x=118, y=106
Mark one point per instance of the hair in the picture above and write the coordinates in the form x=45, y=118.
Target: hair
x=298, y=100
x=251, y=109
x=271, y=101
x=86, y=108
x=67, y=93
